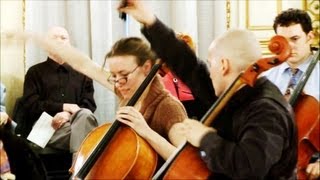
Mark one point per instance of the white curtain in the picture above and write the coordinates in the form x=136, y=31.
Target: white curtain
x=95, y=25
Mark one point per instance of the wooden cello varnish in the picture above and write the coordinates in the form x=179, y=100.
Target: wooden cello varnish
x=307, y=118
x=127, y=156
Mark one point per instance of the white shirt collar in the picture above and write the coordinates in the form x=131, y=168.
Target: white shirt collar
x=302, y=67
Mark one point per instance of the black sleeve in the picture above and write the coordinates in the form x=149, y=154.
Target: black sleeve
x=182, y=61
x=87, y=98
x=31, y=97
x=259, y=145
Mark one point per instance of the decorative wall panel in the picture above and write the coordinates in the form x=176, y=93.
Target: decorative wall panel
x=313, y=8
x=258, y=16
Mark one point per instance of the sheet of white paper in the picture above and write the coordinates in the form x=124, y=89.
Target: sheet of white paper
x=42, y=130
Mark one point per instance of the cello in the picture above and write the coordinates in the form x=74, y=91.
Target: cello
x=116, y=151
x=306, y=109
x=175, y=166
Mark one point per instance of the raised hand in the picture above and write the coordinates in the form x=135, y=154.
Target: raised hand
x=138, y=11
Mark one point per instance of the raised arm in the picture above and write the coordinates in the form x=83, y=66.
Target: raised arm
x=179, y=57
x=67, y=53
x=177, y=54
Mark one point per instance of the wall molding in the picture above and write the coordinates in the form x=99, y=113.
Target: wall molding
x=257, y=16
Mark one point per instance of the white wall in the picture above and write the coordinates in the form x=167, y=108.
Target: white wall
x=12, y=52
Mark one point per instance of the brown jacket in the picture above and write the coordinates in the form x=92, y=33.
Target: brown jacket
x=160, y=109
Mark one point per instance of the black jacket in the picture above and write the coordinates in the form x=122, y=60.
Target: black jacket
x=47, y=87
x=184, y=63
x=256, y=137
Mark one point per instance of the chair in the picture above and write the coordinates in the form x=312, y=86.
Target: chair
x=56, y=162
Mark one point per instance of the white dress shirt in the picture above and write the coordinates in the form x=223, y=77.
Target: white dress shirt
x=281, y=75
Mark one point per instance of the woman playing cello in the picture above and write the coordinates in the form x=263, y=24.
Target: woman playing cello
x=152, y=117
x=129, y=62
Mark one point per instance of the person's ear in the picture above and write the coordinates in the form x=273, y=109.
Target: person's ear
x=225, y=66
x=310, y=37
x=147, y=67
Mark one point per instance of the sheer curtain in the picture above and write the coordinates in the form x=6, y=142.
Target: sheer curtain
x=95, y=25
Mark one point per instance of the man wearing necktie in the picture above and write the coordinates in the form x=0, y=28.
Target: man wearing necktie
x=295, y=77
x=296, y=26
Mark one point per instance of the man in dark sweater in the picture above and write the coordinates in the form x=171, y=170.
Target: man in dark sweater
x=254, y=136
x=67, y=95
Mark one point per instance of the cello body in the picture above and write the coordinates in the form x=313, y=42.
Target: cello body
x=190, y=155
x=127, y=156
x=308, y=123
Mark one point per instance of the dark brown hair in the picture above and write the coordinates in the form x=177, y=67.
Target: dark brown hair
x=133, y=46
x=293, y=16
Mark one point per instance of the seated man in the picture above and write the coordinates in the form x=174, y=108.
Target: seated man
x=61, y=92
x=296, y=26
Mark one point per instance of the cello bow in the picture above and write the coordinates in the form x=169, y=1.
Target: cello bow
x=174, y=167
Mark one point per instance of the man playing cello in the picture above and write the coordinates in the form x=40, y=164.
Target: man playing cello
x=296, y=26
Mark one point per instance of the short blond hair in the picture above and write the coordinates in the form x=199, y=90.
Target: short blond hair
x=239, y=46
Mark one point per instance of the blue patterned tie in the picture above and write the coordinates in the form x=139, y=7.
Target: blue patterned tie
x=295, y=76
